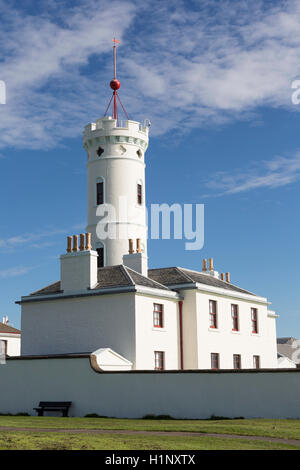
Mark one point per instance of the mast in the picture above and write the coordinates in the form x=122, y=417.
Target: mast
x=115, y=85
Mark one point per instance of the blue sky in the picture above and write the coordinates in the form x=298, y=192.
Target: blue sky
x=215, y=80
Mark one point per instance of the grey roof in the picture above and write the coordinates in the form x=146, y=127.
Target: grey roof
x=8, y=329
x=288, y=346
x=51, y=289
x=177, y=275
x=109, y=277
x=161, y=278
x=120, y=275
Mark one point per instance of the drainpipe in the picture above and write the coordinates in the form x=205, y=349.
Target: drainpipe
x=180, y=334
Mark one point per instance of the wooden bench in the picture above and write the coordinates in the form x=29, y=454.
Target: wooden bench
x=62, y=406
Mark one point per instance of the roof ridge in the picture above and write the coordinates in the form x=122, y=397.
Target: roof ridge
x=221, y=280
x=184, y=274
x=124, y=269
x=148, y=278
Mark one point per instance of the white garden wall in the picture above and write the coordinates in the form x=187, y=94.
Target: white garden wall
x=188, y=394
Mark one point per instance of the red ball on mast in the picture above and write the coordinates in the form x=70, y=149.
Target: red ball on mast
x=115, y=84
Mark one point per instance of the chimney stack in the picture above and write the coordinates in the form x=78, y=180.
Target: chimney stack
x=78, y=267
x=137, y=261
x=210, y=269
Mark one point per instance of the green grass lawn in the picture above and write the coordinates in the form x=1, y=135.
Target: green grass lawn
x=11, y=440
x=280, y=428
x=284, y=429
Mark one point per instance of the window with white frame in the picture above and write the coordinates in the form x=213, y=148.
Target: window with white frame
x=213, y=314
x=235, y=317
x=214, y=358
x=159, y=360
x=254, y=320
x=237, y=363
x=158, y=311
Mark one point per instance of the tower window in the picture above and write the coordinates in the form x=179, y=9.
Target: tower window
x=159, y=360
x=100, y=150
x=213, y=314
x=235, y=317
x=139, y=194
x=139, y=153
x=100, y=260
x=100, y=198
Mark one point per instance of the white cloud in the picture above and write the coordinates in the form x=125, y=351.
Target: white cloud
x=15, y=271
x=281, y=171
x=32, y=239
x=183, y=65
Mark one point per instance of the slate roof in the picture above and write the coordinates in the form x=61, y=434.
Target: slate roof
x=8, y=329
x=284, y=347
x=161, y=278
x=120, y=275
x=177, y=275
x=109, y=277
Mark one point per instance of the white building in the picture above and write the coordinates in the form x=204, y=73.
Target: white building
x=10, y=339
x=171, y=318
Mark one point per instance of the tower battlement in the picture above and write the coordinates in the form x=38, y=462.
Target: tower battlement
x=108, y=125
x=106, y=131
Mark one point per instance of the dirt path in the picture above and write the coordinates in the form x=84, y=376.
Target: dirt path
x=294, y=442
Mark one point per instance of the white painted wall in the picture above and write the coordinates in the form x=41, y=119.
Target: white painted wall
x=133, y=394
x=81, y=324
x=149, y=338
x=120, y=169
x=13, y=343
x=200, y=340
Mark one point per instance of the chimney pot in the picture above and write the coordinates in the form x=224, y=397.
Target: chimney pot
x=88, y=244
x=81, y=246
x=211, y=264
x=75, y=242
x=222, y=277
x=69, y=244
x=227, y=277
x=131, y=250
x=138, y=245
x=204, y=265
